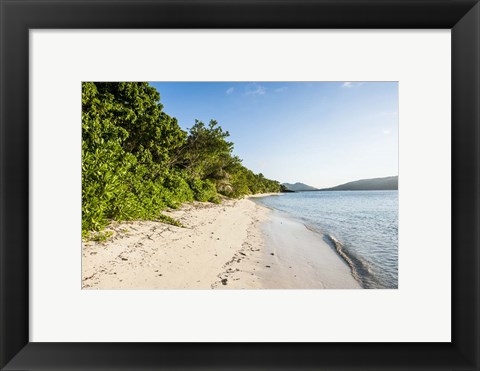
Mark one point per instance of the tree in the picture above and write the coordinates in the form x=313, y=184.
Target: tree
x=126, y=143
x=136, y=107
x=206, y=151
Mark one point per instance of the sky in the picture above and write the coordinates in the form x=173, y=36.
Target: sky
x=319, y=133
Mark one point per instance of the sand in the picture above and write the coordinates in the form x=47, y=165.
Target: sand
x=236, y=245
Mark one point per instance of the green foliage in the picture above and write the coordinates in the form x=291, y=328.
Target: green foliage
x=99, y=236
x=204, y=190
x=137, y=161
x=178, y=190
x=169, y=220
x=206, y=151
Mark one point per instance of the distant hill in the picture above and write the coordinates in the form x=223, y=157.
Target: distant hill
x=299, y=187
x=375, y=184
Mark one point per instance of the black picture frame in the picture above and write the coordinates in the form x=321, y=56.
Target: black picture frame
x=19, y=16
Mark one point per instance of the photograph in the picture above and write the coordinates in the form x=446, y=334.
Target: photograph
x=240, y=185
x=170, y=167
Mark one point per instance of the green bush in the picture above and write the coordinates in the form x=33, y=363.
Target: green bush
x=178, y=190
x=204, y=190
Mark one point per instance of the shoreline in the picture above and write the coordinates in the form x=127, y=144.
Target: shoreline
x=304, y=259
x=238, y=244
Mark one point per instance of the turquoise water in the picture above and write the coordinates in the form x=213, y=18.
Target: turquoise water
x=362, y=226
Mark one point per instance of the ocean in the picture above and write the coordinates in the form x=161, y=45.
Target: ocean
x=362, y=227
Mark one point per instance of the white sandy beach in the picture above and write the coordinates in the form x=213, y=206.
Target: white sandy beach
x=238, y=244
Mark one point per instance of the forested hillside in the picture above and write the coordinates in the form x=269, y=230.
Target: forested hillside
x=299, y=187
x=389, y=183
x=137, y=161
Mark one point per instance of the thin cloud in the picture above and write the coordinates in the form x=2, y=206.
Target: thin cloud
x=281, y=90
x=386, y=132
x=350, y=84
x=255, y=89
x=230, y=90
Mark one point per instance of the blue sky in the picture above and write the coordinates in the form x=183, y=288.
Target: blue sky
x=319, y=133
